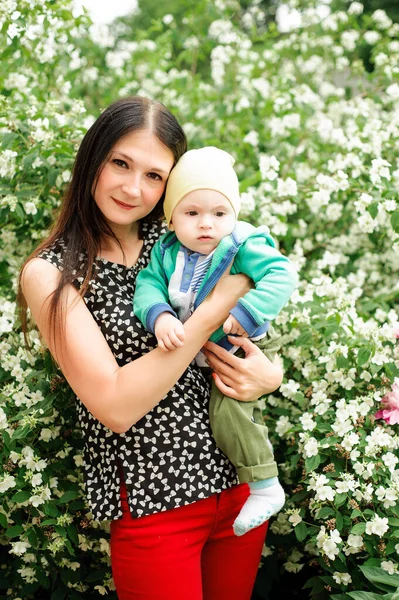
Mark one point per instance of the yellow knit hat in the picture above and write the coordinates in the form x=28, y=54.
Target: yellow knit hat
x=205, y=169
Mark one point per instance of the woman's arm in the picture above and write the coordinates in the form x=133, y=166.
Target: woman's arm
x=243, y=379
x=118, y=396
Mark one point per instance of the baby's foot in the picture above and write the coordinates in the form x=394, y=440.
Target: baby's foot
x=262, y=503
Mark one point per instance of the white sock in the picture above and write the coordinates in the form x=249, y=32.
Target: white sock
x=266, y=499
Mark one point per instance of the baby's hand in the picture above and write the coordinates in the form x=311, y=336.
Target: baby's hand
x=169, y=332
x=231, y=325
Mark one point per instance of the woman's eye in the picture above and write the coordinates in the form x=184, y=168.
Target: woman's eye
x=119, y=162
x=155, y=176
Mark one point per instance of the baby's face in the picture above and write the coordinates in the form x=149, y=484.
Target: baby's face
x=202, y=219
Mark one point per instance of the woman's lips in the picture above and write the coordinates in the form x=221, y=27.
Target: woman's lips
x=123, y=204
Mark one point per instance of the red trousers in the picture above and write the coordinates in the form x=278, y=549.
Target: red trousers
x=187, y=553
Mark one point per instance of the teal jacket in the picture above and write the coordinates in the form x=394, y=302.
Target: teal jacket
x=253, y=253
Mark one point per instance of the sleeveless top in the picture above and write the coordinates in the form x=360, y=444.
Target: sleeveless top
x=169, y=458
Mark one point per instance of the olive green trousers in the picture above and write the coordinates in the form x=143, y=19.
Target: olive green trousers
x=239, y=429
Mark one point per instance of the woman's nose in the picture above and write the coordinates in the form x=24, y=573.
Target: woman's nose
x=131, y=189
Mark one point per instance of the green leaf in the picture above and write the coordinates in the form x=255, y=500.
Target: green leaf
x=68, y=496
x=60, y=593
x=301, y=531
x=367, y=596
x=394, y=522
x=21, y=432
x=304, y=338
x=32, y=537
x=342, y=362
x=73, y=534
x=325, y=512
x=312, y=463
x=358, y=529
x=14, y=531
x=48, y=522
x=378, y=575
x=340, y=499
x=363, y=356
x=3, y=521
x=21, y=496
x=395, y=221
x=51, y=509
x=6, y=439
x=373, y=209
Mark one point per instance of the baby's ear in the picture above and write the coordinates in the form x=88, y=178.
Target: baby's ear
x=171, y=226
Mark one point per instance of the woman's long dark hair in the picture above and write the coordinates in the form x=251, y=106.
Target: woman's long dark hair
x=80, y=222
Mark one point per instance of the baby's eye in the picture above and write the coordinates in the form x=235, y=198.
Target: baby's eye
x=120, y=163
x=192, y=213
x=220, y=213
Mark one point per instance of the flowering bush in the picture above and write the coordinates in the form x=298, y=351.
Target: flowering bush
x=315, y=139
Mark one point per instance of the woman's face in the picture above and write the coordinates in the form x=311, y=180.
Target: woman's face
x=133, y=179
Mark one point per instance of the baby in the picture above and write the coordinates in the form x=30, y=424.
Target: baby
x=202, y=203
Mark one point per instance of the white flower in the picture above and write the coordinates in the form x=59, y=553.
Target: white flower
x=381, y=19
x=8, y=164
x=389, y=566
x=266, y=551
x=101, y=590
x=390, y=460
x=167, y=19
x=371, y=37
x=46, y=435
x=342, y=578
x=356, y=8
x=354, y=544
x=283, y=425
x=295, y=519
x=290, y=388
x=307, y=422
x=377, y=526
x=252, y=138
x=292, y=567
x=19, y=548
x=268, y=166
x=78, y=458
x=311, y=447
x=36, y=479
x=328, y=543
x=247, y=203
x=379, y=169
x=30, y=208
x=7, y=482
x=393, y=91
x=286, y=187
x=3, y=419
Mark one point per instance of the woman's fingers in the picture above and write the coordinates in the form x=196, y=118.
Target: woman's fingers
x=227, y=390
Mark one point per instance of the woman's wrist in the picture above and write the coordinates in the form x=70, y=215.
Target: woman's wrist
x=204, y=317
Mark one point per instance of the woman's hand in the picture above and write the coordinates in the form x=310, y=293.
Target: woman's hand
x=243, y=379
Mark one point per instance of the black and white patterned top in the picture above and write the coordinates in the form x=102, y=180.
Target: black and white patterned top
x=169, y=458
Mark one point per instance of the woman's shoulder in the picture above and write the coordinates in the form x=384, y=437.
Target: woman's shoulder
x=152, y=231
x=54, y=253
x=38, y=275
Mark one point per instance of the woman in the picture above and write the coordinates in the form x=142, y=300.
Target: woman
x=149, y=452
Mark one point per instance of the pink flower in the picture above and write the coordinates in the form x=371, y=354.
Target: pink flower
x=390, y=405
x=396, y=330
